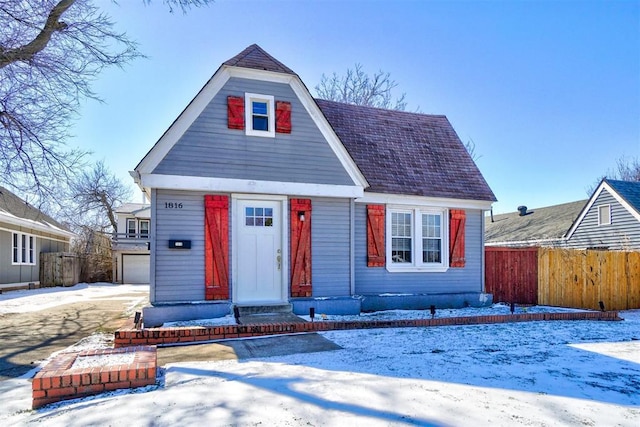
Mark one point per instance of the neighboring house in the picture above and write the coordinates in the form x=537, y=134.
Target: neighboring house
x=537, y=227
x=130, y=246
x=25, y=232
x=610, y=219
x=262, y=195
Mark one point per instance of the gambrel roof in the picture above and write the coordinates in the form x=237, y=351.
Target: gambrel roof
x=407, y=153
x=384, y=151
x=256, y=58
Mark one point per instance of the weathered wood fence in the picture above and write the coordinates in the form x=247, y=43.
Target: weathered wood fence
x=564, y=277
x=59, y=269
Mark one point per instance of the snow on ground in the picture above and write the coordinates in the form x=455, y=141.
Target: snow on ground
x=495, y=309
x=576, y=373
x=27, y=301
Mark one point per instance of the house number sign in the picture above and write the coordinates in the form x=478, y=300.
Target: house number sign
x=173, y=205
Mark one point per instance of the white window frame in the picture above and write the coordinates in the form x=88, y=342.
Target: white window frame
x=608, y=208
x=131, y=235
x=23, y=249
x=417, y=265
x=249, y=98
x=148, y=222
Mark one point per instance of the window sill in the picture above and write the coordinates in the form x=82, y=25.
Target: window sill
x=417, y=269
x=261, y=133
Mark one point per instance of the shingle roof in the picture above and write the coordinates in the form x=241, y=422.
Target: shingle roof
x=407, y=153
x=548, y=223
x=255, y=57
x=12, y=206
x=628, y=190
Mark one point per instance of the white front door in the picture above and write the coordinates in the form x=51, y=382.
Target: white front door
x=259, y=255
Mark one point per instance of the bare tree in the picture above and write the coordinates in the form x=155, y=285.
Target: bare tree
x=93, y=198
x=627, y=169
x=51, y=51
x=360, y=88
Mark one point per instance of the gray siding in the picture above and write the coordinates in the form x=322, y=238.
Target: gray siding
x=377, y=280
x=330, y=237
x=210, y=149
x=622, y=233
x=24, y=273
x=179, y=273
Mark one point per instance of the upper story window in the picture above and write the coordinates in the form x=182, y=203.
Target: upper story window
x=417, y=236
x=137, y=228
x=23, y=249
x=131, y=228
x=260, y=115
x=604, y=214
x=144, y=228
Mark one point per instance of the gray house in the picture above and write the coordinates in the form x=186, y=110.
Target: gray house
x=25, y=232
x=262, y=195
x=610, y=219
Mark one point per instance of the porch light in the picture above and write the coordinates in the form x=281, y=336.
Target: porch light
x=301, y=216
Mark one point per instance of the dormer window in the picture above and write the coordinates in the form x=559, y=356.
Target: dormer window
x=260, y=115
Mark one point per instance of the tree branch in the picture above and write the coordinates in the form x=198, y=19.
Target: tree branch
x=28, y=51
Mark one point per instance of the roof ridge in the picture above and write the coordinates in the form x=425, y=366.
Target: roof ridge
x=381, y=108
x=263, y=61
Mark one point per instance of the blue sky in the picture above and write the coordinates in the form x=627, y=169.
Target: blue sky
x=549, y=91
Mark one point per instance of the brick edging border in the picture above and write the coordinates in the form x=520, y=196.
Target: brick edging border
x=58, y=380
x=158, y=336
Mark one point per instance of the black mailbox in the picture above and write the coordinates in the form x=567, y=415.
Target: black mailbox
x=179, y=244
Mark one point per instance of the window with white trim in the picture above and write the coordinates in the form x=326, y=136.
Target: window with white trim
x=23, y=249
x=144, y=228
x=417, y=239
x=259, y=115
x=131, y=228
x=604, y=214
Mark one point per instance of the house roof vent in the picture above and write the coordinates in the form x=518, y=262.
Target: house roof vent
x=523, y=210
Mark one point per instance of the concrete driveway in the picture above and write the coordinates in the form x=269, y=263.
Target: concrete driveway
x=41, y=324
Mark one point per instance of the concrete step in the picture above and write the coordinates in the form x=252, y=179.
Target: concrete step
x=247, y=310
x=257, y=314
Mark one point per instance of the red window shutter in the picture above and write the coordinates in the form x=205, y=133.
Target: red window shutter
x=300, y=237
x=457, y=220
x=216, y=228
x=283, y=117
x=235, y=112
x=375, y=236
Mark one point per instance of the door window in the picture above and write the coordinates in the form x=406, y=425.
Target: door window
x=258, y=217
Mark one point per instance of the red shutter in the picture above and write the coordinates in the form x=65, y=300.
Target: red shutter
x=375, y=236
x=300, y=237
x=457, y=220
x=216, y=228
x=235, y=112
x=283, y=117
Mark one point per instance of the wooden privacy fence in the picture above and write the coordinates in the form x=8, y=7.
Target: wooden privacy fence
x=583, y=278
x=511, y=274
x=564, y=277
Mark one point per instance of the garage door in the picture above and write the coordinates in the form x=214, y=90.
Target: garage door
x=135, y=268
